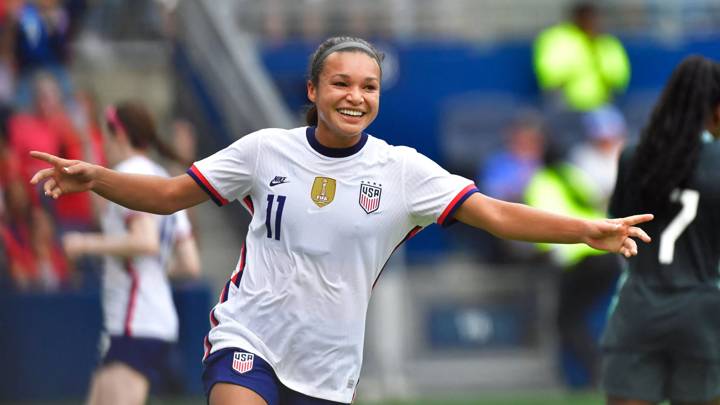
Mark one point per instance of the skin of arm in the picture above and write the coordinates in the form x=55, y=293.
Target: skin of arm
x=142, y=238
x=154, y=194
x=521, y=222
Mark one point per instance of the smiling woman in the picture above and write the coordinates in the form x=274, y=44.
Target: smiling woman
x=344, y=86
x=329, y=203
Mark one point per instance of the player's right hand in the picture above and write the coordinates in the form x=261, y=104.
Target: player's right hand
x=66, y=176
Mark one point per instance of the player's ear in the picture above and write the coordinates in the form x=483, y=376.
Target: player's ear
x=311, y=91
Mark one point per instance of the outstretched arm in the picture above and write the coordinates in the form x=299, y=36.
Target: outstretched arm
x=142, y=238
x=154, y=194
x=521, y=222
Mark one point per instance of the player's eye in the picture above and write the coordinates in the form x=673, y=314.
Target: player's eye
x=340, y=84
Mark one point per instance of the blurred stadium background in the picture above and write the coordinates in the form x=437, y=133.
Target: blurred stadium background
x=452, y=321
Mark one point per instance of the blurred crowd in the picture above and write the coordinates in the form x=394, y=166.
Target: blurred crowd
x=41, y=109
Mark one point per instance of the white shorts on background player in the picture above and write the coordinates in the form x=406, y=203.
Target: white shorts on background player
x=323, y=227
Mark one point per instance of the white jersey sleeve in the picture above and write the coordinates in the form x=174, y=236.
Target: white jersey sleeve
x=227, y=174
x=432, y=193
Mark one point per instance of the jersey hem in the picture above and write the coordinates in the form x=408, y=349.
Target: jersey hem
x=289, y=383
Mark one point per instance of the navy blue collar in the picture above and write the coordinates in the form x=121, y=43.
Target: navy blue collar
x=335, y=152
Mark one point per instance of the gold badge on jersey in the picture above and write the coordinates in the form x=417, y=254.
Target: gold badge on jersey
x=323, y=191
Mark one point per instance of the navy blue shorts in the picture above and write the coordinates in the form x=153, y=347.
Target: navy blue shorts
x=239, y=367
x=150, y=357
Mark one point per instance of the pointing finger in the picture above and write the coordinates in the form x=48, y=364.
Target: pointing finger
x=52, y=159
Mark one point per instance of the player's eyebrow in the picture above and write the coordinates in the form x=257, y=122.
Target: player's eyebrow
x=345, y=76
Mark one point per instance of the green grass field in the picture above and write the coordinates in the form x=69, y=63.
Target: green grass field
x=528, y=398
x=525, y=398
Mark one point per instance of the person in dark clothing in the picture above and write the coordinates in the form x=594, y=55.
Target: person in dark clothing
x=663, y=337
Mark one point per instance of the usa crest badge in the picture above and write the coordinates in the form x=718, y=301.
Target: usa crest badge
x=242, y=362
x=323, y=191
x=370, y=197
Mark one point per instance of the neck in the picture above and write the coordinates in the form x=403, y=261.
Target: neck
x=326, y=137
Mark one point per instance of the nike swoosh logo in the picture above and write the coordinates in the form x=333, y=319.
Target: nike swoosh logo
x=275, y=182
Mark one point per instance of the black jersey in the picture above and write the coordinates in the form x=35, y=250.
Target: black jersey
x=685, y=251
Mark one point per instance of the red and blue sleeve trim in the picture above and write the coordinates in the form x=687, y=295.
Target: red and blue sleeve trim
x=205, y=185
x=447, y=217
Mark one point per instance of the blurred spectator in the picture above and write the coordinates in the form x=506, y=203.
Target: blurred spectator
x=52, y=270
x=76, y=11
x=40, y=43
x=184, y=142
x=505, y=173
x=34, y=130
x=597, y=156
x=167, y=11
x=48, y=128
x=16, y=235
x=87, y=121
x=10, y=169
x=577, y=66
x=35, y=260
x=8, y=10
x=587, y=274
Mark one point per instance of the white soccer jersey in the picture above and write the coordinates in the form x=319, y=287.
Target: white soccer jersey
x=136, y=294
x=324, y=223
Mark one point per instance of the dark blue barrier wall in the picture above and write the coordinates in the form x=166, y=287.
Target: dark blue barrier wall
x=424, y=75
x=48, y=342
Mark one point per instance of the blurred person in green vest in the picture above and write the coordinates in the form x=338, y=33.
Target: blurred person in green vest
x=577, y=65
x=587, y=275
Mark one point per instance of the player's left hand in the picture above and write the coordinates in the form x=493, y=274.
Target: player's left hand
x=616, y=235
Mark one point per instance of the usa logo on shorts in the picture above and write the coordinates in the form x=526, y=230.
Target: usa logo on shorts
x=370, y=197
x=242, y=362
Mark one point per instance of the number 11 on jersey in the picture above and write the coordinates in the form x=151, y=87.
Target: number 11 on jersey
x=278, y=215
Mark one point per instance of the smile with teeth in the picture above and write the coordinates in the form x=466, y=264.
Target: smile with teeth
x=352, y=113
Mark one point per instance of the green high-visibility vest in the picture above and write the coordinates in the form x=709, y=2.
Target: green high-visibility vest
x=566, y=190
x=587, y=70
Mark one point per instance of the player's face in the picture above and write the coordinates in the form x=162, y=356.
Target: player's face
x=347, y=97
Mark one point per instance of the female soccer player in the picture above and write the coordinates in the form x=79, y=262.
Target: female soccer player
x=139, y=315
x=329, y=205
x=663, y=338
